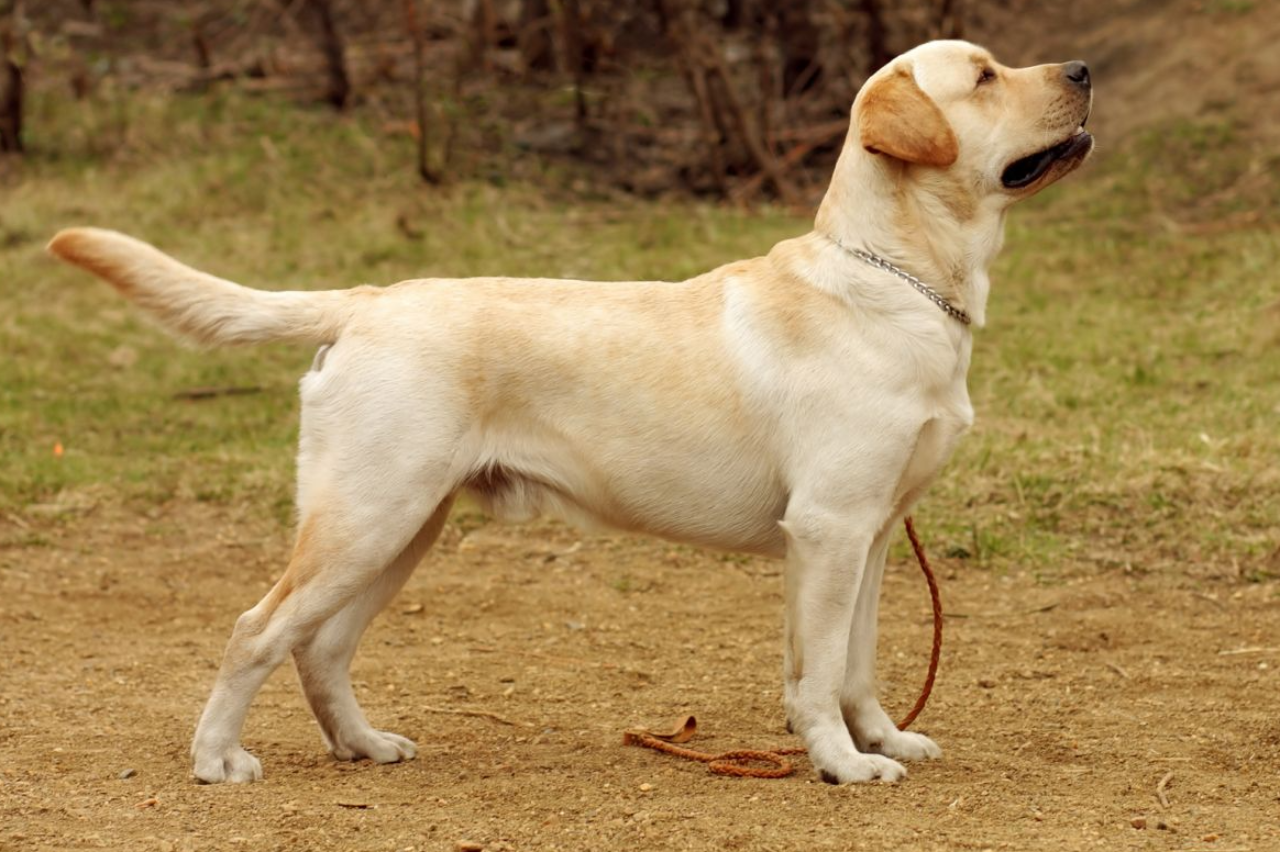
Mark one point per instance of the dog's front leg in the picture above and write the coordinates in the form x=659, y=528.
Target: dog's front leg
x=827, y=556
x=872, y=729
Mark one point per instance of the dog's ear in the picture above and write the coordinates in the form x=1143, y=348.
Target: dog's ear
x=898, y=119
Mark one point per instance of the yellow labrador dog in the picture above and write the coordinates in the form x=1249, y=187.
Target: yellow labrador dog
x=793, y=405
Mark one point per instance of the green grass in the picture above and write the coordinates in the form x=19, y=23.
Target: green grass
x=1127, y=385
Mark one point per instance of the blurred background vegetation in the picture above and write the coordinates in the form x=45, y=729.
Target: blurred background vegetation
x=734, y=99
x=1128, y=383
x=714, y=96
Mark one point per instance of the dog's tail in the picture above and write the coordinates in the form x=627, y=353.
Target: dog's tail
x=200, y=307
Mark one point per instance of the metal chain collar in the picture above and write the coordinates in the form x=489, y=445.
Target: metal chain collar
x=924, y=289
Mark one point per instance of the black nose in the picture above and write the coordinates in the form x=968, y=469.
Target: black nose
x=1077, y=72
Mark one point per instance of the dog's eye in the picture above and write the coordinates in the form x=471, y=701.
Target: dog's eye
x=986, y=76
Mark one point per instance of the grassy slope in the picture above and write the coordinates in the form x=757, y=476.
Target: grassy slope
x=1127, y=386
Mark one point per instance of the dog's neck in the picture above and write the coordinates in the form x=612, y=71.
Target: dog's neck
x=926, y=226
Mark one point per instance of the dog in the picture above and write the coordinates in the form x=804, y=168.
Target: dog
x=793, y=405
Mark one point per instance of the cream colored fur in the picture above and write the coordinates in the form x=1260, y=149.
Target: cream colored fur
x=793, y=405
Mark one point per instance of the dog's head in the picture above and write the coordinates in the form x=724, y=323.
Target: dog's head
x=998, y=131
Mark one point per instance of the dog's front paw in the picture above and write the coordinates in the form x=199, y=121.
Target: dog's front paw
x=378, y=746
x=875, y=733
x=903, y=745
x=232, y=766
x=860, y=768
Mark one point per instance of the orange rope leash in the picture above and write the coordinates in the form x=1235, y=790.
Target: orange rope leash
x=738, y=763
x=936, y=600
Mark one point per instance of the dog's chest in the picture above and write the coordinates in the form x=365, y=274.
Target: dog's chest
x=952, y=416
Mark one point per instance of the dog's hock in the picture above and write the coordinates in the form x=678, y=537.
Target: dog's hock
x=896, y=118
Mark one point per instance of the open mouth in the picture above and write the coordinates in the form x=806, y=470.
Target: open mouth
x=1030, y=169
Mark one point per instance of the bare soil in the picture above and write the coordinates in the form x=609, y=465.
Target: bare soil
x=1060, y=708
x=1156, y=62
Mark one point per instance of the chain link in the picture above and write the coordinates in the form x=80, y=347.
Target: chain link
x=923, y=288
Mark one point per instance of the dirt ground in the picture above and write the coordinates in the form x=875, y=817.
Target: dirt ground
x=1060, y=708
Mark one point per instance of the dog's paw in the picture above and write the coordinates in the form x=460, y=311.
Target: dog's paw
x=861, y=768
x=902, y=745
x=875, y=733
x=378, y=746
x=229, y=766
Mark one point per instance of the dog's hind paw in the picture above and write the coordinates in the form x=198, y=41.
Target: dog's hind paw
x=378, y=746
x=230, y=766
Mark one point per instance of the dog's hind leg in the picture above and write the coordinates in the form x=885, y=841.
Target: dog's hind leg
x=324, y=661
x=347, y=539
